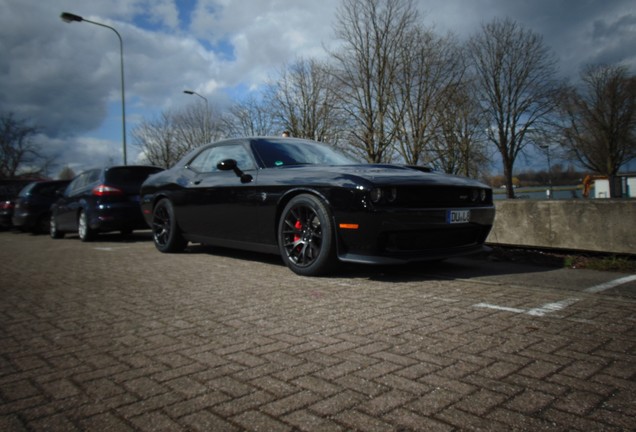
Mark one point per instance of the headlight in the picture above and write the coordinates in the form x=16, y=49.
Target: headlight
x=391, y=195
x=376, y=195
x=483, y=195
x=379, y=195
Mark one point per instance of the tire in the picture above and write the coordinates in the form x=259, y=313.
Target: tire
x=306, y=236
x=54, y=232
x=165, y=231
x=85, y=232
x=42, y=225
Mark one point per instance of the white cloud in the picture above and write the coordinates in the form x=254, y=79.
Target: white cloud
x=65, y=77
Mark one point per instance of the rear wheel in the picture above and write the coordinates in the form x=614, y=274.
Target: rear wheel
x=306, y=236
x=53, y=230
x=42, y=225
x=165, y=232
x=85, y=232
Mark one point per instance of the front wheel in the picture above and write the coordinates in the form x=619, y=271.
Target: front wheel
x=165, y=231
x=53, y=229
x=86, y=233
x=306, y=236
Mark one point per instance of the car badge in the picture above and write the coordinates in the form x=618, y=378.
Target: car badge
x=263, y=196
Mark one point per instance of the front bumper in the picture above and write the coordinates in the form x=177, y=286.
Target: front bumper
x=402, y=236
x=25, y=220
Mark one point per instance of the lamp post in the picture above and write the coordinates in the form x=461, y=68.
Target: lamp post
x=69, y=18
x=546, y=147
x=207, y=113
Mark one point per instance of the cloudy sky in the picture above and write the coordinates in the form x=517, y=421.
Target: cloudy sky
x=65, y=77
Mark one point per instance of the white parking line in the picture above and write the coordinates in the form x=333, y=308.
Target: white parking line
x=501, y=308
x=540, y=311
x=560, y=305
x=610, y=284
x=552, y=307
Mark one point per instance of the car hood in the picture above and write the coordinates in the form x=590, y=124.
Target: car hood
x=387, y=175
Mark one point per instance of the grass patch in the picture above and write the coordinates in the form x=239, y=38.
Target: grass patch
x=607, y=263
x=567, y=259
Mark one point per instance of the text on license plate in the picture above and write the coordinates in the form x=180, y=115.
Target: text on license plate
x=458, y=216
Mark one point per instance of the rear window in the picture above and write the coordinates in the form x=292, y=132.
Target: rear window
x=26, y=190
x=129, y=179
x=9, y=189
x=48, y=189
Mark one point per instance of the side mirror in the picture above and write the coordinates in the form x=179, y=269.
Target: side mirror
x=227, y=165
x=232, y=165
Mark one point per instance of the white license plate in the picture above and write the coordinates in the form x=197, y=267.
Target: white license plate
x=458, y=216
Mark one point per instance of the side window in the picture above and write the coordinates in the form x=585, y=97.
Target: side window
x=207, y=160
x=93, y=177
x=203, y=161
x=83, y=180
x=75, y=185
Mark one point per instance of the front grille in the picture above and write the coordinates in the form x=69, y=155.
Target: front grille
x=412, y=241
x=436, y=197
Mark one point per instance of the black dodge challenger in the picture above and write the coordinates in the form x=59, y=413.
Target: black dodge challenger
x=313, y=206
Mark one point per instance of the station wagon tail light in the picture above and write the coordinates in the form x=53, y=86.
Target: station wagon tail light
x=104, y=190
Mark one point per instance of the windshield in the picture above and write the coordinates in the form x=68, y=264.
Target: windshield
x=288, y=151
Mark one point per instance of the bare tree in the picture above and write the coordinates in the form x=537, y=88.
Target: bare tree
x=197, y=124
x=158, y=141
x=600, y=129
x=368, y=68
x=249, y=117
x=19, y=154
x=431, y=69
x=304, y=101
x=458, y=145
x=167, y=139
x=516, y=87
x=66, y=173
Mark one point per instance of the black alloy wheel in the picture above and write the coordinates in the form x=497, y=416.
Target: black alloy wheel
x=306, y=236
x=165, y=232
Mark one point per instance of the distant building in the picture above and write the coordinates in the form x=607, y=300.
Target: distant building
x=626, y=182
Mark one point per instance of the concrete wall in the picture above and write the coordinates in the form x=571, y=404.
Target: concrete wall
x=586, y=225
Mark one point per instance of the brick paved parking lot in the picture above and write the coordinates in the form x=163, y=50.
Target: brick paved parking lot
x=114, y=336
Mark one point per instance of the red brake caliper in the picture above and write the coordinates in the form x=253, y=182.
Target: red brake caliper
x=299, y=227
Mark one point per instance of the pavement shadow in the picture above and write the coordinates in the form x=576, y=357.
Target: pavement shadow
x=450, y=269
x=143, y=236
x=480, y=265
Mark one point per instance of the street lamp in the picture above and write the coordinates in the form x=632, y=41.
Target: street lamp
x=546, y=147
x=69, y=18
x=190, y=92
x=207, y=112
